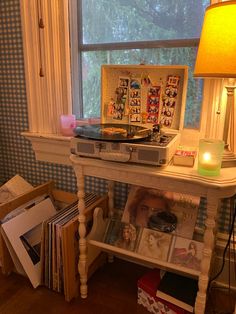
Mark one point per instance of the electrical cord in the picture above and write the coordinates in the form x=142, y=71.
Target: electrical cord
x=226, y=247
x=231, y=232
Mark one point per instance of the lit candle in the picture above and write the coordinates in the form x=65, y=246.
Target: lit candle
x=209, y=158
x=207, y=162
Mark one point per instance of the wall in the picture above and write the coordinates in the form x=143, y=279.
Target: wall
x=16, y=155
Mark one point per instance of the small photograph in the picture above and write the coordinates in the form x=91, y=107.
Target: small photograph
x=120, y=94
x=123, y=81
x=135, y=109
x=171, y=91
x=168, y=112
x=135, y=84
x=154, y=91
x=135, y=118
x=154, y=244
x=135, y=93
x=166, y=121
x=173, y=80
x=152, y=119
x=153, y=100
x=153, y=109
x=122, y=235
x=186, y=253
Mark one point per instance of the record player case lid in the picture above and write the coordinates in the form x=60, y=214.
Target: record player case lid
x=113, y=76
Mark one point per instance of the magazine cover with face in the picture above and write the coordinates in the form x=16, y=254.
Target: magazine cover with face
x=162, y=210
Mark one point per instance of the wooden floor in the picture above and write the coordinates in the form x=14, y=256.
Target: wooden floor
x=112, y=290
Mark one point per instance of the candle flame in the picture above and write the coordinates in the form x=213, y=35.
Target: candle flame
x=207, y=156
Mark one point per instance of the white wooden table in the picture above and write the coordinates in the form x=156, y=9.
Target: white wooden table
x=170, y=178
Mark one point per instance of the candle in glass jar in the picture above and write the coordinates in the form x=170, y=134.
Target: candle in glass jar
x=208, y=162
x=210, y=156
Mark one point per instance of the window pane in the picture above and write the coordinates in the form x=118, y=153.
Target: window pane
x=92, y=62
x=108, y=21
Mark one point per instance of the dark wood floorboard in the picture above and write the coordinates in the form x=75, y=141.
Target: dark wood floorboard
x=112, y=290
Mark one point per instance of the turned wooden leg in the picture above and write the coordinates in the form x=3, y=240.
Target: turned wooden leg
x=82, y=265
x=209, y=240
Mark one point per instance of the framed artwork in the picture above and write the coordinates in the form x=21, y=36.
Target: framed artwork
x=122, y=235
x=154, y=244
x=23, y=234
x=186, y=253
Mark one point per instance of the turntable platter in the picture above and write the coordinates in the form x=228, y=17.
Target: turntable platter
x=113, y=132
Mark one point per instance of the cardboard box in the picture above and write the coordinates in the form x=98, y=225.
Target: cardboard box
x=185, y=156
x=147, y=286
x=60, y=199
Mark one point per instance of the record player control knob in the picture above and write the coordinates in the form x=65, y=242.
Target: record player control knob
x=156, y=128
x=156, y=132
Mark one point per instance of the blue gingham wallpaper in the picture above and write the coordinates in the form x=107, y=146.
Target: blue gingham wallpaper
x=16, y=154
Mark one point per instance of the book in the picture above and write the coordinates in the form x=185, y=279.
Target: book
x=13, y=188
x=147, y=287
x=186, y=253
x=178, y=290
x=185, y=156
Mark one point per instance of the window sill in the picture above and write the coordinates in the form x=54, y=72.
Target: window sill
x=56, y=148
x=49, y=147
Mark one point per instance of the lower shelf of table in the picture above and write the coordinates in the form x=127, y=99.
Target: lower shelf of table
x=147, y=261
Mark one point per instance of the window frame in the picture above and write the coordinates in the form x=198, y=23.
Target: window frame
x=77, y=96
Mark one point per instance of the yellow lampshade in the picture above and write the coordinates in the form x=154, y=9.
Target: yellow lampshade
x=216, y=55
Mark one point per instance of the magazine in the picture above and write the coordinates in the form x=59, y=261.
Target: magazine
x=162, y=210
x=185, y=207
x=186, y=253
x=178, y=290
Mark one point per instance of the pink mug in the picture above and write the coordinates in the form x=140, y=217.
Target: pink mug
x=68, y=123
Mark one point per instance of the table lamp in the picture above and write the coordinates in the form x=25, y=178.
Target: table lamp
x=216, y=58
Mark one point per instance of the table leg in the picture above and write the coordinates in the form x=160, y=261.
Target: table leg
x=209, y=241
x=82, y=265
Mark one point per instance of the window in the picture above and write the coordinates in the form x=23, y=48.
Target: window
x=132, y=32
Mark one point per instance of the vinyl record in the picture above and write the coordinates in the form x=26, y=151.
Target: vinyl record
x=113, y=132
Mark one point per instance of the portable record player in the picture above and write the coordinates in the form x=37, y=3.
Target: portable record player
x=142, y=114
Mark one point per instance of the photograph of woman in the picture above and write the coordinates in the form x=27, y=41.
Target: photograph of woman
x=143, y=203
x=127, y=237
x=122, y=235
x=154, y=244
x=187, y=253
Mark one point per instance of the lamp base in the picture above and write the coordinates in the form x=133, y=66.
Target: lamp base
x=228, y=159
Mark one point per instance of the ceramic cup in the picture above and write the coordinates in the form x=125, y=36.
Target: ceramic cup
x=68, y=123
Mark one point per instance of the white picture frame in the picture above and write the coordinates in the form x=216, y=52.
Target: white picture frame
x=28, y=225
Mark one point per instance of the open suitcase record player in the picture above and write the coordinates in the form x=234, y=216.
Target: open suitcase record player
x=142, y=123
